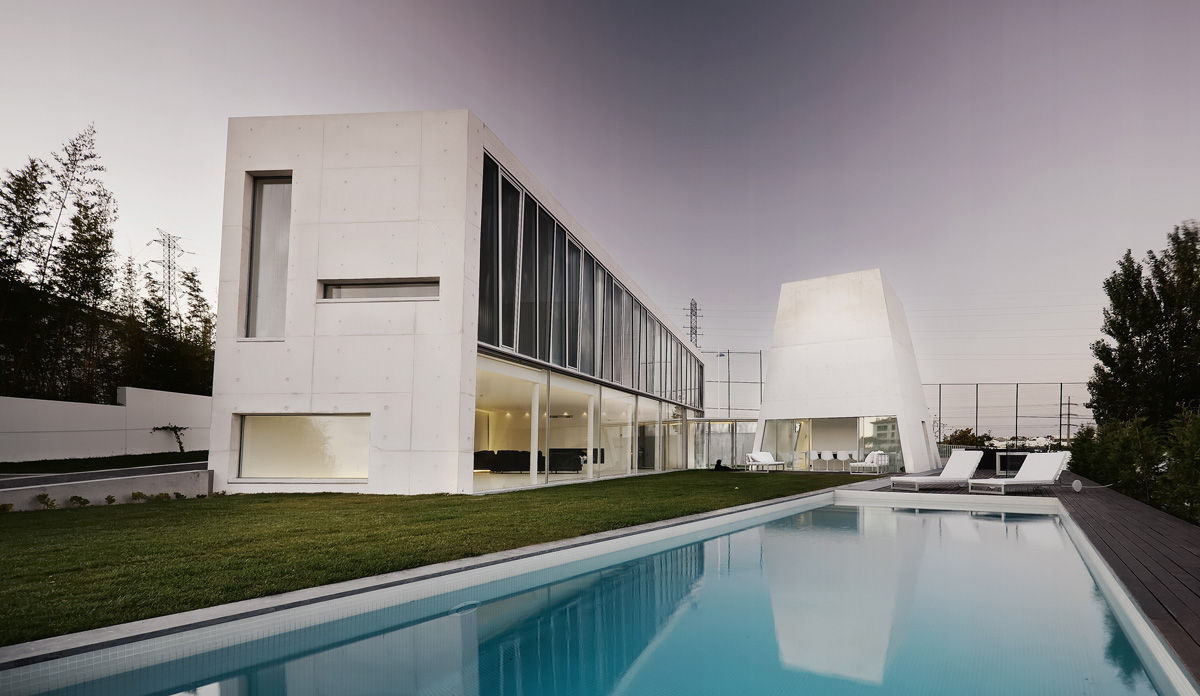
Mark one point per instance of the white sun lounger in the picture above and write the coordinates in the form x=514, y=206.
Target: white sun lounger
x=957, y=472
x=762, y=460
x=1038, y=469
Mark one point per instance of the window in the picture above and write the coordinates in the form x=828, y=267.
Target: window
x=510, y=237
x=545, y=280
x=489, y=256
x=587, y=319
x=295, y=446
x=404, y=289
x=558, y=332
x=266, y=288
x=527, y=333
x=572, y=305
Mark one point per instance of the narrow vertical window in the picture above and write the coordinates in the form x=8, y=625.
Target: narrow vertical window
x=510, y=234
x=572, y=305
x=599, y=329
x=527, y=334
x=607, y=332
x=637, y=345
x=558, y=332
x=587, y=319
x=489, y=255
x=266, y=288
x=545, y=280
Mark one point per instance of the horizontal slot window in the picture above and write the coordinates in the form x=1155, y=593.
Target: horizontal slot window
x=305, y=446
x=409, y=289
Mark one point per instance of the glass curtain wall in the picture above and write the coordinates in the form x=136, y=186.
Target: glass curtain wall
x=697, y=455
x=789, y=440
x=616, y=432
x=542, y=295
x=881, y=434
x=649, y=442
x=510, y=425
x=573, y=439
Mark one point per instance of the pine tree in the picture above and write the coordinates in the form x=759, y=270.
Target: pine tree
x=84, y=269
x=74, y=178
x=199, y=322
x=23, y=219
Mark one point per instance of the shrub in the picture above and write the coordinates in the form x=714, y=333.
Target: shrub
x=6, y=507
x=138, y=495
x=179, y=496
x=200, y=496
x=46, y=501
x=1181, y=480
x=160, y=497
x=79, y=500
x=110, y=499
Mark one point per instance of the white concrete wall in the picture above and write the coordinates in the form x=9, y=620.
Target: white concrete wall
x=373, y=196
x=32, y=429
x=841, y=348
x=189, y=483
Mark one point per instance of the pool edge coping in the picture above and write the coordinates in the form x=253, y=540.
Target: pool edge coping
x=55, y=647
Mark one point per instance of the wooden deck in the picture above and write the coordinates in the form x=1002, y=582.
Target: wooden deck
x=1156, y=556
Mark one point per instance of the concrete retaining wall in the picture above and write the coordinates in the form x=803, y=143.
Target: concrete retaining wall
x=33, y=429
x=189, y=483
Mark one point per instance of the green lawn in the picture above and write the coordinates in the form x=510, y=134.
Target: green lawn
x=120, y=461
x=69, y=570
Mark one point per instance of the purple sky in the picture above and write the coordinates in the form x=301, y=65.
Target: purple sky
x=994, y=158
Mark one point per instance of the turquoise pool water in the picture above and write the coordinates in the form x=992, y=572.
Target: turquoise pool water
x=837, y=600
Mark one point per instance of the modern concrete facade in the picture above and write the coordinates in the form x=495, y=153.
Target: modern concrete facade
x=350, y=353
x=842, y=380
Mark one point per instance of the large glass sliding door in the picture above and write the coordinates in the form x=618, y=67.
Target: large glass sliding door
x=573, y=440
x=510, y=425
x=616, y=432
x=674, y=456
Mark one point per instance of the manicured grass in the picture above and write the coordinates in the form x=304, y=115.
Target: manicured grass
x=120, y=461
x=69, y=570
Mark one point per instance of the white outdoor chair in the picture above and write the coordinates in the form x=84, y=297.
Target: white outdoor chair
x=957, y=472
x=762, y=460
x=829, y=458
x=847, y=460
x=813, y=457
x=1038, y=469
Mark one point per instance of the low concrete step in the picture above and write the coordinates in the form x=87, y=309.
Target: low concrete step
x=23, y=480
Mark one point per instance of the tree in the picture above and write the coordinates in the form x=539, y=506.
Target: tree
x=84, y=269
x=199, y=322
x=74, y=176
x=966, y=437
x=23, y=218
x=1148, y=367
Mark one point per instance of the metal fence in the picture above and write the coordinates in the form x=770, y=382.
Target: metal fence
x=1050, y=411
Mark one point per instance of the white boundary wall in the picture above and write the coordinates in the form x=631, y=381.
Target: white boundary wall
x=32, y=429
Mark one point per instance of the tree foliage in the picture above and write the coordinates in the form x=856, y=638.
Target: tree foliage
x=966, y=437
x=76, y=322
x=1148, y=367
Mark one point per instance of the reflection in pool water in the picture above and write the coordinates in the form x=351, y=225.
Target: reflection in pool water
x=838, y=600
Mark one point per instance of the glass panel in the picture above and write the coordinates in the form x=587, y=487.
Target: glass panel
x=510, y=424
x=637, y=345
x=572, y=436
x=572, y=318
x=649, y=444
x=627, y=339
x=527, y=335
x=587, y=317
x=545, y=280
x=510, y=237
x=673, y=442
x=606, y=336
x=266, y=288
x=789, y=441
x=720, y=443
x=616, y=432
x=697, y=445
x=619, y=345
x=743, y=443
x=881, y=434
x=489, y=256
x=305, y=446
x=558, y=332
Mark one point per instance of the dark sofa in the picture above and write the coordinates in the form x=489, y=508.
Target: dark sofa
x=562, y=460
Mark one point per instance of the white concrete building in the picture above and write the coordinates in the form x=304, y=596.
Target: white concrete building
x=842, y=380
x=404, y=308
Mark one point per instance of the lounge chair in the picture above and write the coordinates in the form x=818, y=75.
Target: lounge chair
x=957, y=472
x=762, y=460
x=1038, y=469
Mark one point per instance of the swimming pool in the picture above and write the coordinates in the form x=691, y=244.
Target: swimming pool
x=837, y=599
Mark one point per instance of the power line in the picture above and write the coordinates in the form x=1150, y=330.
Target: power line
x=693, y=315
x=169, y=263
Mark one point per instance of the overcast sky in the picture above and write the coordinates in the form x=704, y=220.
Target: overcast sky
x=993, y=158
